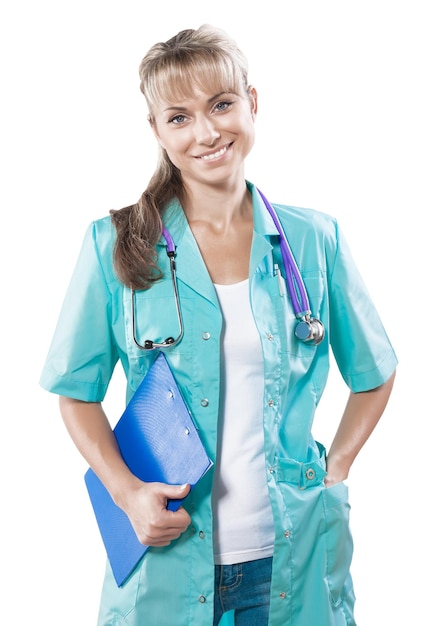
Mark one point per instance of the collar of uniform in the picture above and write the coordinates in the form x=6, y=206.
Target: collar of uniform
x=174, y=221
x=264, y=228
x=190, y=266
x=263, y=221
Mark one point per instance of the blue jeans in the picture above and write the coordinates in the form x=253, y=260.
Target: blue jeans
x=245, y=589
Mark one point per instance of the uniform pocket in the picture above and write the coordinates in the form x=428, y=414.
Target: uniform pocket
x=338, y=538
x=156, y=319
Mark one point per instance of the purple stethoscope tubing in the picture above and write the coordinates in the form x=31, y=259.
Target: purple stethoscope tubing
x=296, y=288
x=169, y=240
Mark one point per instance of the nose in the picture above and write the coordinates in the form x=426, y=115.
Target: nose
x=205, y=131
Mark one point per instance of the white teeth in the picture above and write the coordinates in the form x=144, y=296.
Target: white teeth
x=215, y=155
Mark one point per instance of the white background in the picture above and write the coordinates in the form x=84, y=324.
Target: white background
x=344, y=126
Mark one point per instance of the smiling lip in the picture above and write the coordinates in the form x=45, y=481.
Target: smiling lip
x=212, y=156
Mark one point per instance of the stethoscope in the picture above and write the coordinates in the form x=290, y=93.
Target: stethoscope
x=308, y=329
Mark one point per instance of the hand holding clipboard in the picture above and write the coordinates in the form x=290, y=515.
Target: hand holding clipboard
x=159, y=443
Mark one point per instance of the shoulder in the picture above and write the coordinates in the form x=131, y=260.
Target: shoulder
x=101, y=234
x=98, y=245
x=298, y=220
x=306, y=219
x=310, y=232
x=102, y=228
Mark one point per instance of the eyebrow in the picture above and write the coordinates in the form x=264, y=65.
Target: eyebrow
x=209, y=101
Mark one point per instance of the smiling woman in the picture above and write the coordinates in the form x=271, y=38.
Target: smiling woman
x=208, y=136
x=264, y=538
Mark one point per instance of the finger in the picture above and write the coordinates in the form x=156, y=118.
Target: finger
x=175, y=492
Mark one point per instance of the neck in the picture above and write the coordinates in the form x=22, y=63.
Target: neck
x=218, y=205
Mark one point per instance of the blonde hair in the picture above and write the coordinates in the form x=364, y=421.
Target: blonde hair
x=193, y=59
x=171, y=71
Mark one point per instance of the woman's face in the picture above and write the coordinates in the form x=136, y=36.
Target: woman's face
x=208, y=136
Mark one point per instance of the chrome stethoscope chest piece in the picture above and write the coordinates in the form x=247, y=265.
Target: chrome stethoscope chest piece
x=310, y=330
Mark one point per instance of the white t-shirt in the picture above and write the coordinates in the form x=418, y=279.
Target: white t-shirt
x=243, y=520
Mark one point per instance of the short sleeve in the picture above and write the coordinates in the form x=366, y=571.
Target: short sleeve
x=83, y=353
x=360, y=344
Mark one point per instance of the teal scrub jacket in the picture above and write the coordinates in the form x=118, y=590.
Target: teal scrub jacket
x=173, y=586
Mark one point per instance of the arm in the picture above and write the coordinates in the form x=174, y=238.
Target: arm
x=362, y=413
x=144, y=503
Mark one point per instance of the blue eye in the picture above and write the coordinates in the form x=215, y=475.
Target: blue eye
x=177, y=119
x=223, y=106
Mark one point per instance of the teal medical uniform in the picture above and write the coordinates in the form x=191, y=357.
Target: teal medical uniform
x=173, y=586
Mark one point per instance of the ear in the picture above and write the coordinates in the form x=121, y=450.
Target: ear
x=253, y=99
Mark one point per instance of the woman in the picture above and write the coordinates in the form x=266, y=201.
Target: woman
x=264, y=538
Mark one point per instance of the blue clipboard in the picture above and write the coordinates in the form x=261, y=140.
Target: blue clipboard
x=159, y=443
